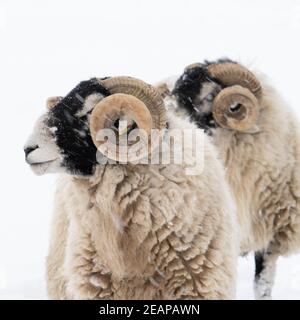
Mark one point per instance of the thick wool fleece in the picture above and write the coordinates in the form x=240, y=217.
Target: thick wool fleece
x=144, y=232
x=263, y=170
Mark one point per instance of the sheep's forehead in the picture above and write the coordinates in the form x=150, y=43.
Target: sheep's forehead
x=77, y=104
x=84, y=89
x=77, y=110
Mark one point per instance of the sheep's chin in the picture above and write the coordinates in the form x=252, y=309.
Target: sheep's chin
x=41, y=168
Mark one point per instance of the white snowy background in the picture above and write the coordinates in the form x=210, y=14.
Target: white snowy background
x=47, y=47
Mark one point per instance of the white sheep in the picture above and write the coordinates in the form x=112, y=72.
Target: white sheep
x=130, y=231
x=258, y=139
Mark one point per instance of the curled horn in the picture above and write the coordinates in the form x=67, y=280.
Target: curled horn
x=135, y=100
x=237, y=105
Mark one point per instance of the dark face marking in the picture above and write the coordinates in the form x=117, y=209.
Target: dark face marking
x=71, y=132
x=195, y=91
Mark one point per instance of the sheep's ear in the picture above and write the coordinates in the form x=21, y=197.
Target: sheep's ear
x=163, y=89
x=52, y=101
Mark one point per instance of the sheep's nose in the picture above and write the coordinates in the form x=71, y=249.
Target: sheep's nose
x=28, y=150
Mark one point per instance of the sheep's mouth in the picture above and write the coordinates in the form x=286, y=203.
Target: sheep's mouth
x=41, y=163
x=40, y=168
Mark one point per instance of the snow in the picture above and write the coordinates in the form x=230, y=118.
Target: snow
x=47, y=47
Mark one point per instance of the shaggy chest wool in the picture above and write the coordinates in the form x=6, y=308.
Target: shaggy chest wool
x=138, y=232
x=262, y=172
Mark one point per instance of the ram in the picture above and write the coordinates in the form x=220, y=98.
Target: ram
x=130, y=230
x=257, y=137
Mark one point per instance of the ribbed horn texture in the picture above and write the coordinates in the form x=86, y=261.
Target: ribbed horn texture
x=230, y=74
x=237, y=105
x=137, y=101
x=224, y=106
x=143, y=91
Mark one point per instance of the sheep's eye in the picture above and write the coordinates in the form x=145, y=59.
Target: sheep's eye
x=209, y=97
x=235, y=107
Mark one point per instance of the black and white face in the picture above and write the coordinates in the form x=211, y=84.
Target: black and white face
x=61, y=140
x=195, y=91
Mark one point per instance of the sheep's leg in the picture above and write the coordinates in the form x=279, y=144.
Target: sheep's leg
x=265, y=268
x=87, y=278
x=56, y=280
